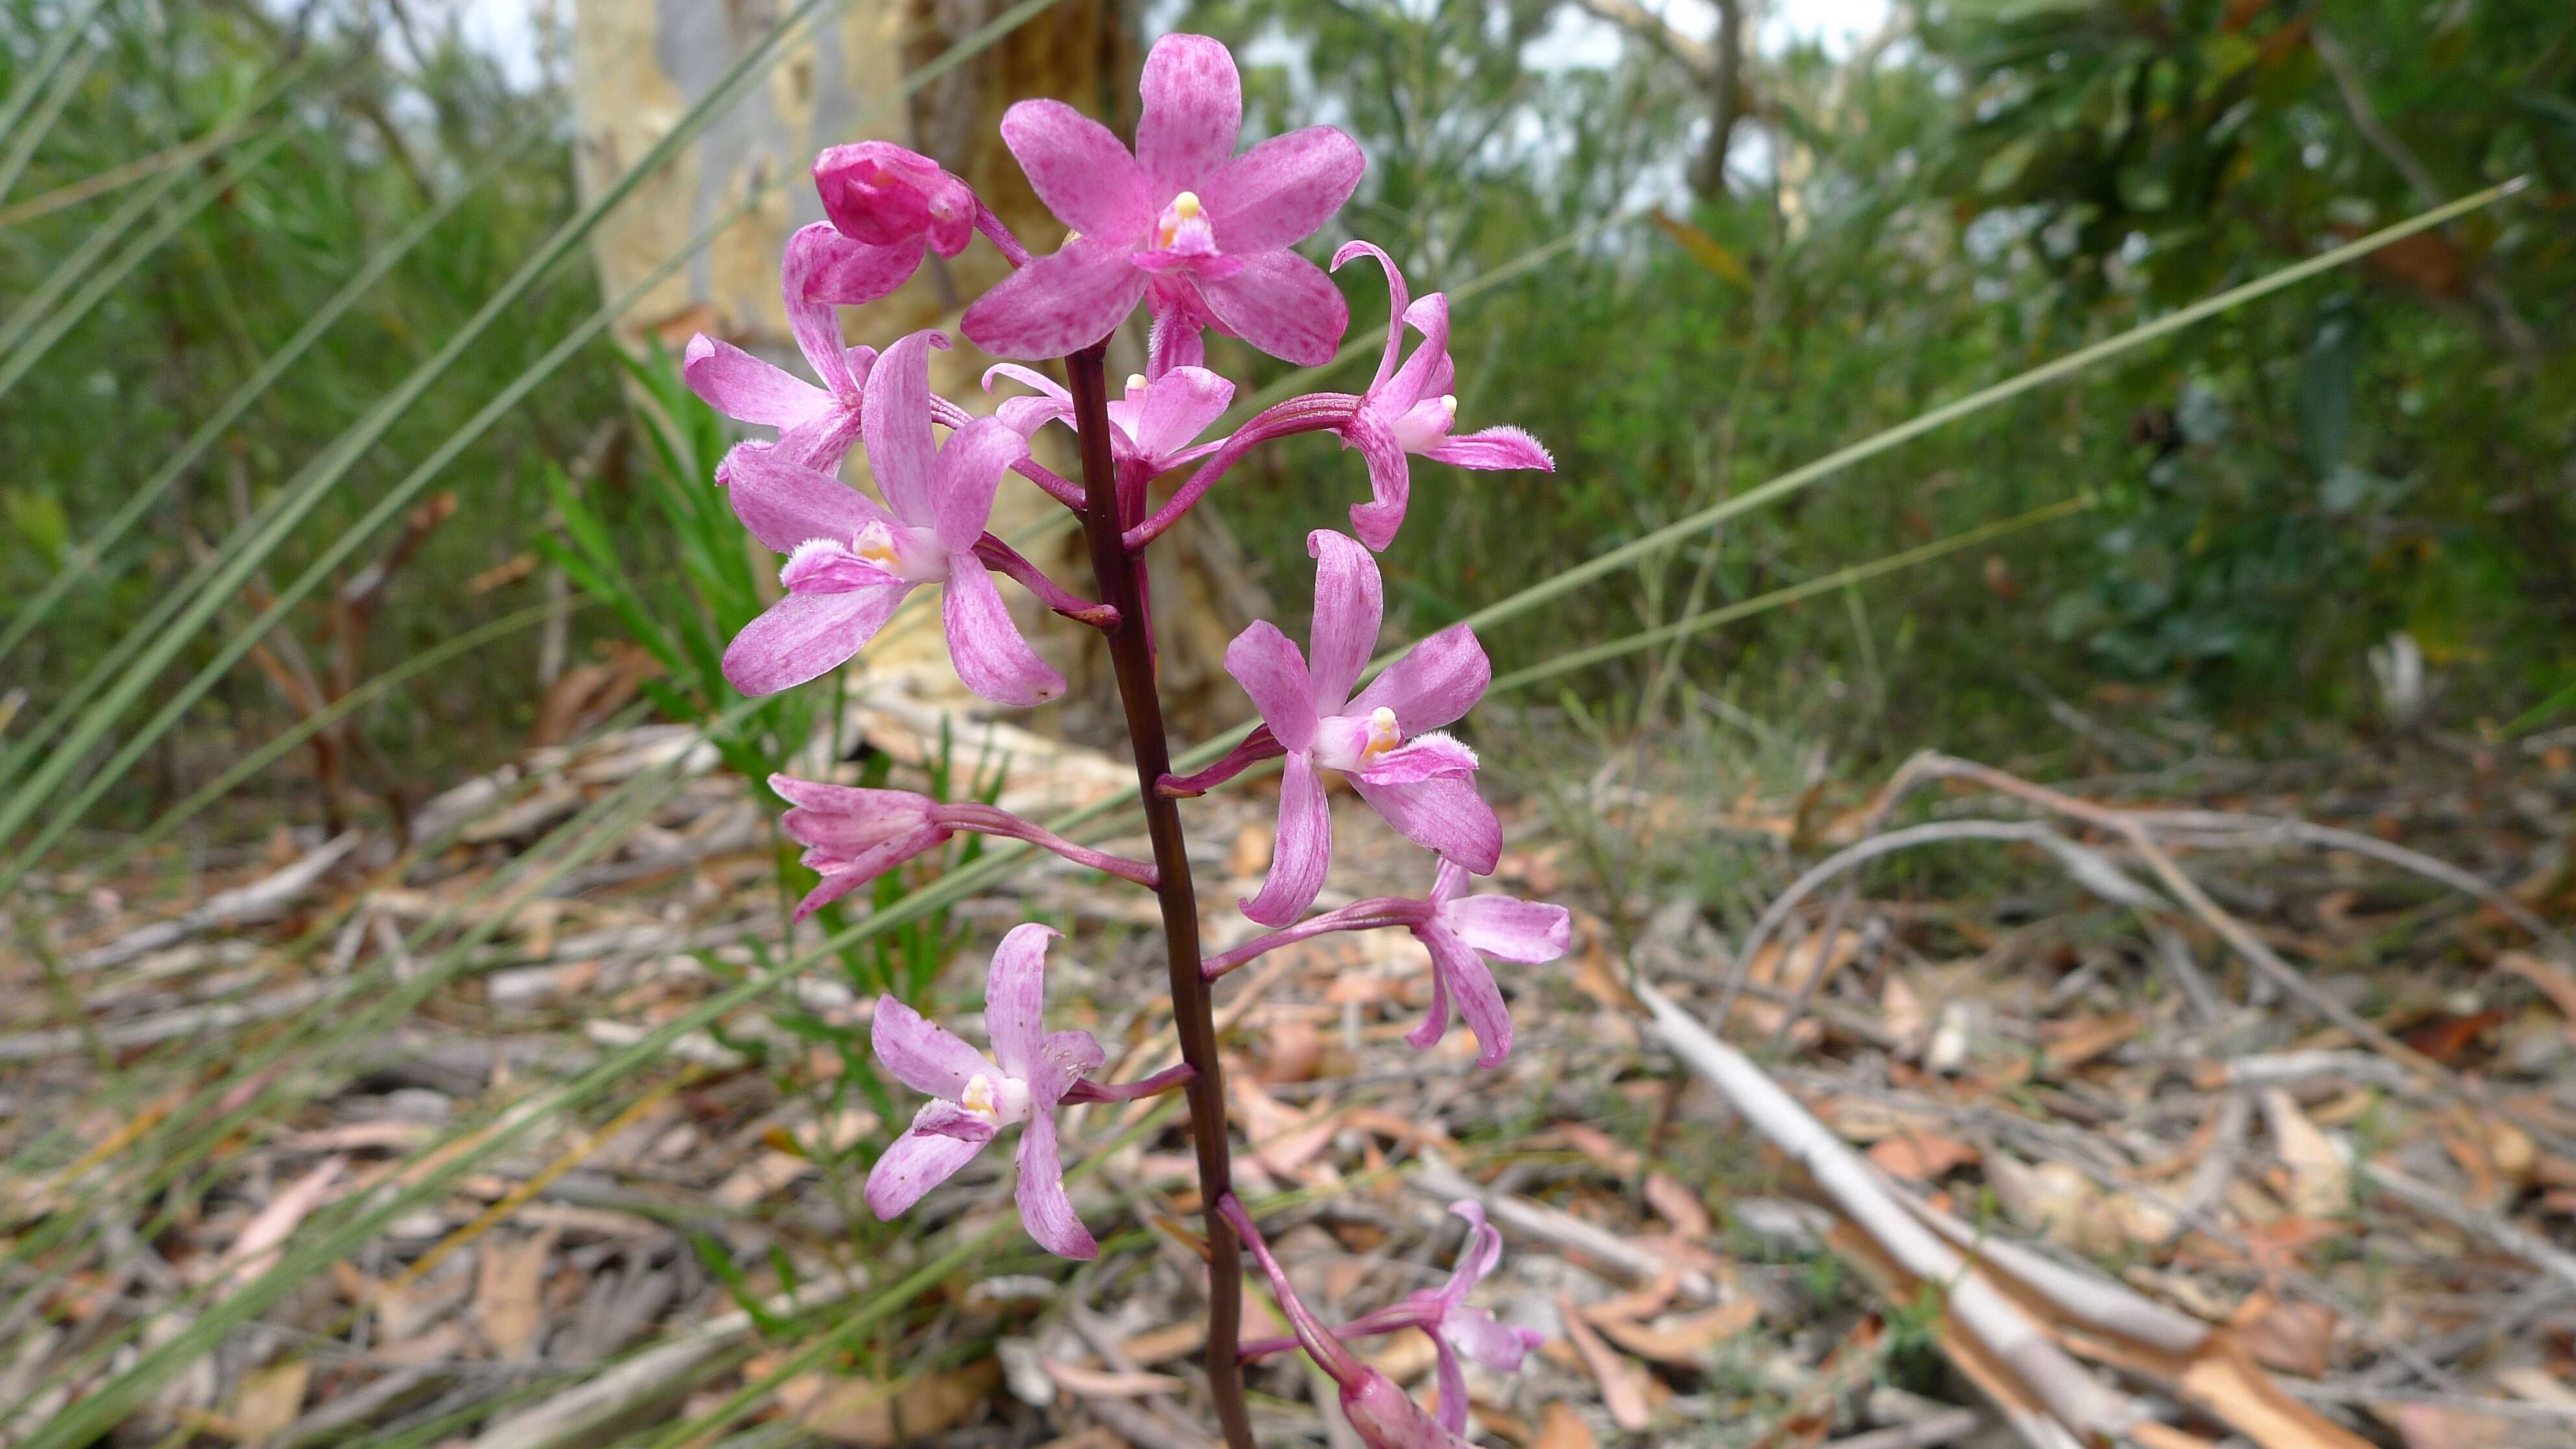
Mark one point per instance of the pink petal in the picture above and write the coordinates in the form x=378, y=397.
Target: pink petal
x=1435, y=1021
x=1390, y=478
x=876, y=191
x=784, y=503
x=1498, y=1346
x=1447, y=881
x=1434, y=684
x=1477, y=1257
x=1270, y=669
x=746, y=389
x=1426, y=373
x=1283, y=304
x=985, y=646
x=827, y=566
x=1452, y=1409
x=895, y=426
x=1025, y=415
x=1057, y=304
x=1279, y=192
x=1512, y=930
x=1193, y=111
x=1349, y=603
x=821, y=442
x=1304, y=850
x=818, y=254
x=1493, y=448
x=805, y=636
x=1178, y=407
x=846, y=819
x=855, y=273
x=922, y=1159
x=1015, y=998
x=1046, y=1210
x=1080, y=170
x=1046, y=386
x=849, y=874
x=1471, y=985
x=1443, y=815
x=969, y=472
x=1064, y=1058
x=1395, y=302
x=1424, y=757
x=922, y=1054
x=1174, y=341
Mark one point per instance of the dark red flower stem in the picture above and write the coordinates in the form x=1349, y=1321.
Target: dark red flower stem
x=1121, y=585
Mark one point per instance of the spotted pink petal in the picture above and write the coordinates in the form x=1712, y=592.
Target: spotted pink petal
x=1471, y=985
x=1273, y=673
x=1443, y=815
x=1390, y=478
x=969, y=472
x=856, y=273
x=745, y=388
x=1490, y=448
x=848, y=875
x=1026, y=415
x=922, y=1054
x=929, y=1154
x=1434, y=684
x=784, y=503
x=895, y=427
x=1193, y=111
x=1015, y=998
x=1529, y=932
x=1303, y=851
x=804, y=636
x=986, y=646
x=1046, y=1209
x=1057, y=304
x=1064, y=1058
x=1080, y=170
x=1350, y=601
x=1278, y=193
x=1283, y=304
x=1178, y=407
x=816, y=255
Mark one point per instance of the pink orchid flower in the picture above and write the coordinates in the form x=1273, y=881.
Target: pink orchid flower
x=850, y=562
x=816, y=425
x=1455, y=1328
x=1410, y=409
x=973, y=1098
x=853, y=835
x=1381, y=740
x=1199, y=234
x=1460, y=931
x=1378, y=1411
x=1156, y=425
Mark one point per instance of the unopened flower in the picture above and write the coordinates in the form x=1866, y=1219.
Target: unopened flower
x=1457, y=1329
x=852, y=834
x=1199, y=234
x=898, y=201
x=850, y=562
x=1460, y=931
x=816, y=425
x=1411, y=409
x=1378, y=1411
x=973, y=1098
x=1382, y=741
x=1156, y=425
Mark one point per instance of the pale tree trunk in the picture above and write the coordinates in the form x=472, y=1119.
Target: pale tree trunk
x=639, y=64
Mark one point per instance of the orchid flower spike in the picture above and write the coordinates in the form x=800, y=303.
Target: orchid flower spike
x=1455, y=1328
x=1155, y=426
x=851, y=562
x=1382, y=741
x=1199, y=234
x=1378, y=1410
x=896, y=203
x=973, y=1098
x=1410, y=409
x=816, y=425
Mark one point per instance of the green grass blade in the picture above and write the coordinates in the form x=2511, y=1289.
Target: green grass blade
x=40, y=73
x=108, y=278
x=249, y=547
x=1611, y=560
x=1825, y=583
x=92, y=549
x=25, y=137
